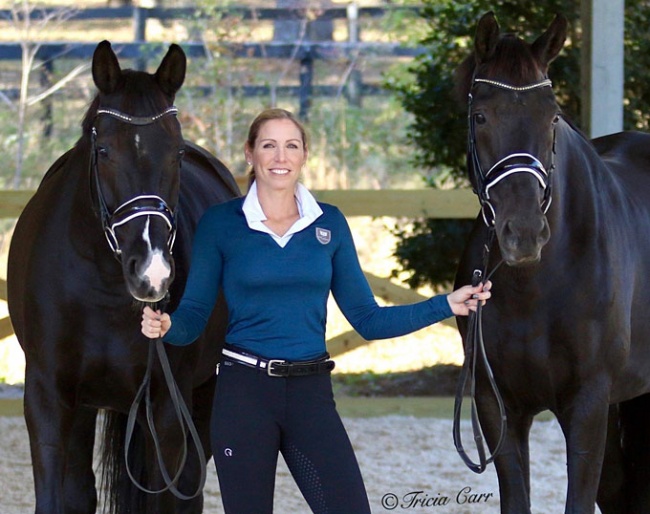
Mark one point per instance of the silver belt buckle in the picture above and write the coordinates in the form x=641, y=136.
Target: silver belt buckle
x=270, y=364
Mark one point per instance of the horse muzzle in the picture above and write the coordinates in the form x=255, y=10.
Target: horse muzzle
x=149, y=279
x=521, y=240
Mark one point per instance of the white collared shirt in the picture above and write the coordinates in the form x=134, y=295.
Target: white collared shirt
x=308, y=210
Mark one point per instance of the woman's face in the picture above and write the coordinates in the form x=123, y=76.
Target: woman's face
x=279, y=154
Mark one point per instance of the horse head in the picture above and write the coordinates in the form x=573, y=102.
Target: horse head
x=136, y=153
x=512, y=113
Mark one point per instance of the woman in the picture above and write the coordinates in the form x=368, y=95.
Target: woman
x=277, y=254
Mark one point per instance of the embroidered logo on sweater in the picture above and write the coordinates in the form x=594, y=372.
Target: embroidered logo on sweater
x=323, y=235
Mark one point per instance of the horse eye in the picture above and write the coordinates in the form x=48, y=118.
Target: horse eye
x=479, y=118
x=102, y=151
x=556, y=119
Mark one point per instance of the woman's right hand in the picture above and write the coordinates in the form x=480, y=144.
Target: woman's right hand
x=155, y=324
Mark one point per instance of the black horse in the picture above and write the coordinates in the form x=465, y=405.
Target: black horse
x=567, y=328
x=90, y=247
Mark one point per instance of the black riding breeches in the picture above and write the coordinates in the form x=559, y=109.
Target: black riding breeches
x=256, y=416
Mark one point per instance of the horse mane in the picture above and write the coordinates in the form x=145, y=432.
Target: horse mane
x=512, y=61
x=140, y=96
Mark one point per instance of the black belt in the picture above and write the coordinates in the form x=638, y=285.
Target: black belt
x=280, y=367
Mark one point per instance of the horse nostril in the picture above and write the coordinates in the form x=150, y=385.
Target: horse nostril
x=510, y=229
x=545, y=233
x=132, y=266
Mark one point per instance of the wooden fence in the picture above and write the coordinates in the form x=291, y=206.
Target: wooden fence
x=304, y=50
x=393, y=203
x=430, y=203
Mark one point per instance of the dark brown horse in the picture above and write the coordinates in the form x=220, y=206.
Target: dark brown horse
x=567, y=329
x=110, y=227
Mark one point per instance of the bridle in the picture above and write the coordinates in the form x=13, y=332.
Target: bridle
x=518, y=162
x=149, y=205
x=141, y=205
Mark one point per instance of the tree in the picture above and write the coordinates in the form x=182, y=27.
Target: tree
x=29, y=21
x=438, y=131
x=430, y=249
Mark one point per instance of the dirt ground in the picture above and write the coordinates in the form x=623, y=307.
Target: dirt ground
x=409, y=464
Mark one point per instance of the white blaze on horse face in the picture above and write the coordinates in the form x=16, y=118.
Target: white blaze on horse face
x=156, y=270
x=137, y=143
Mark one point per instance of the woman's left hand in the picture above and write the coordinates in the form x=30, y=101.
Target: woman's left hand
x=467, y=298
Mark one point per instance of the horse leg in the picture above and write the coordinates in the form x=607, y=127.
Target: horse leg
x=79, y=484
x=202, y=398
x=584, y=423
x=48, y=423
x=513, y=466
x=611, y=494
x=513, y=461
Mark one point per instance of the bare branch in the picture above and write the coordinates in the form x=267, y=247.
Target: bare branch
x=78, y=70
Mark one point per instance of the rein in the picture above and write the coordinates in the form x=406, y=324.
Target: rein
x=149, y=205
x=475, y=348
x=182, y=415
x=519, y=162
x=141, y=205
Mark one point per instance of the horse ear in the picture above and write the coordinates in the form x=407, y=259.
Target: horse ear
x=105, y=68
x=487, y=37
x=171, y=72
x=547, y=46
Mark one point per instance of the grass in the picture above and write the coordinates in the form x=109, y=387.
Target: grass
x=11, y=407
x=353, y=407
x=419, y=407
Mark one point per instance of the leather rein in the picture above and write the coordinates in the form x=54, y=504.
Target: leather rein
x=149, y=205
x=474, y=344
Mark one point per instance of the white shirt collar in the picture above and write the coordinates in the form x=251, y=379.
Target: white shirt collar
x=308, y=209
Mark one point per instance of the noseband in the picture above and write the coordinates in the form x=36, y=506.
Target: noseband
x=519, y=162
x=141, y=205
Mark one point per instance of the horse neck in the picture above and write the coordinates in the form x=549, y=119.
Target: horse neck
x=581, y=185
x=80, y=188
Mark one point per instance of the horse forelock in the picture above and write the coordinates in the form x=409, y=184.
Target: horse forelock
x=138, y=95
x=512, y=62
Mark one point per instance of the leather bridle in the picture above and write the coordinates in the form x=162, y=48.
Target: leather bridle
x=518, y=162
x=149, y=205
x=141, y=205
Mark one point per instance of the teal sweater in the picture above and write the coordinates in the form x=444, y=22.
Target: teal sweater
x=277, y=297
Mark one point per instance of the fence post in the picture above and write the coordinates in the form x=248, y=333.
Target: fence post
x=354, y=80
x=45, y=80
x=306, y=80
x=140, y=34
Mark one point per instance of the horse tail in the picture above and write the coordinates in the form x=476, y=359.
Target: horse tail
x=635, y=426
x=120, y=494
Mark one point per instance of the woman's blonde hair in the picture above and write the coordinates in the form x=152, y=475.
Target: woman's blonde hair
x=261, y=119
